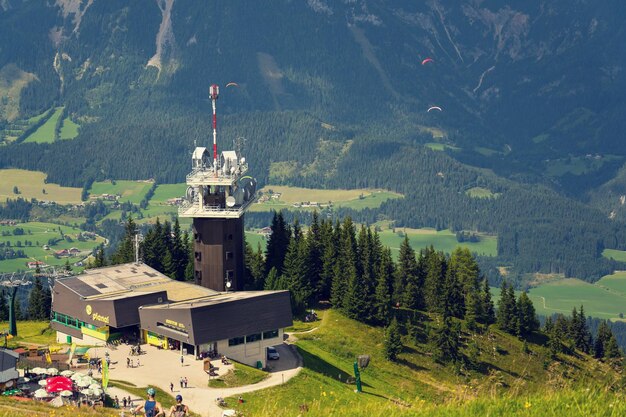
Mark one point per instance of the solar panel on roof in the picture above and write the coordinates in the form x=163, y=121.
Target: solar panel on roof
x=101, y=286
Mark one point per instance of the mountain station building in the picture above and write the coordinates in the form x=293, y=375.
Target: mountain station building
x=137, y=301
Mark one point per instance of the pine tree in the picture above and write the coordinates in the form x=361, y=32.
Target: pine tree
x=272, y=280
x=527, y=318
x=295, y=275
x=489, y=316
x=446, y=341
x=330, y=241
x=314, y=255
x=611, y=350
x=68, y=266
x=189, y=262
x=435, y=275
x=452, y=294
x=507, y=317
x=99, y=259
x=345, y=269
x=255, y=268
x=393, y=341
x=4, y=308
x=126, y=250
x=604, y=334
x=382, y=295
x=408, y=287
x=178, y=252
x=277, y=244
x=35, y=301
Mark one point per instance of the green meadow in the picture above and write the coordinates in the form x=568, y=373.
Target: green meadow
x=40, y=234
x=133, y=191
x=45, y=133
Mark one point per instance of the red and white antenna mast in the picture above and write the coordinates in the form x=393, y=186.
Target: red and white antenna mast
x=214, y=92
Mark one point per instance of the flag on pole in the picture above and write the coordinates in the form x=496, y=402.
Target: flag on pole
x=105, y=374
x=48, y=358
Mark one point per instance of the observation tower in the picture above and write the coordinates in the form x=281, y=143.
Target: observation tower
x=218, y=194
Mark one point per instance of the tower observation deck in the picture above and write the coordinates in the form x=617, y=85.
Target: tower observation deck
x=218, y=194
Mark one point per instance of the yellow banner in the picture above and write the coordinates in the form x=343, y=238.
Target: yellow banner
x=48, y=358
x=72, y=349
x=105, y=374
x=100, y=335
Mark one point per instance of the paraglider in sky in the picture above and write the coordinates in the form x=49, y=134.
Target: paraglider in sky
x=434, y=108
x=232, y=84
x=427, y=60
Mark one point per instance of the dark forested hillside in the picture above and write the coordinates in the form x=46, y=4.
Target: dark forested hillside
x=338, y=92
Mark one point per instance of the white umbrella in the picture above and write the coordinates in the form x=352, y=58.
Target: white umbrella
x=67, y=373
x=43, y=382
x=52, y=371
x=87, y=392
x=66, y=393
x=97, y=392
x=95, y=385
x=83, y=383
x=41, y=393
x=77, y=376
x=38, y=371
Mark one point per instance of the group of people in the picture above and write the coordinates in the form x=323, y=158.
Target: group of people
x=130, y=363
x=126, y=402
x=183, y=383
x=152, y=408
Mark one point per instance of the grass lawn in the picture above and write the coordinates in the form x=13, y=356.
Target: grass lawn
x=615, y=282
x=133, y=191
x=164, y=192
x=605, y=299
x=443, y=240
x=10, y=407
x=45, y=133
x=414, y=385
x=618, y=255
x=254, y=239
x=239, y=376
x=38, y=332
x=39, y=234
x=69, y=129
x=31, y=185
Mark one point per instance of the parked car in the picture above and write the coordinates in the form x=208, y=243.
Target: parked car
x=272, y=353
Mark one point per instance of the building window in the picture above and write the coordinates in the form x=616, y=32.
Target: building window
x=68, y=321
x=236, y=341
x=270, y=335
x=198, y=275
x=229, y=274
x=197, y=237
x=198, y=256
x=229, y=255
x=253, y=337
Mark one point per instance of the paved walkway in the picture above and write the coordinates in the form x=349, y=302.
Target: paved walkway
x=160, y=367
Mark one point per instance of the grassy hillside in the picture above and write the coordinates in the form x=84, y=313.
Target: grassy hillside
x=443, y=240
x=31, y=184
x=45, y=133
x=133, y=191
x=416, y=385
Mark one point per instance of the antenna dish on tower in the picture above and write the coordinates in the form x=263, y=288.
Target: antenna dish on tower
x=230, y=201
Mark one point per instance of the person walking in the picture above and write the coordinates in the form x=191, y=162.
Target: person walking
x=151, y=407
x=124, y=402
x=186, y=382
x=182, y=360
x=128, y=362
x=179, y=409
x=182, y=381
x=171, y=387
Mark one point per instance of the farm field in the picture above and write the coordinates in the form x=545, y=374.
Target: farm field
x=31, y=185
x=158, y=207
x=436, y=146
x=254, y=239
x=45, y=133
x=618, y=255
x=133, y=191
x=69, y=129
x=605, y=299
x=40, y=234
x=340, y=198
x=443, y=240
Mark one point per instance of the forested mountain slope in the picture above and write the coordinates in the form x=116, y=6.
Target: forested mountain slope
x=338, y=92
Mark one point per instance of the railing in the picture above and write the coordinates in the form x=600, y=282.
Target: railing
x=208, y=173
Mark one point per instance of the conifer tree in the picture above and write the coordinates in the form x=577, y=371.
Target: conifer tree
x=446, y=341
x=433, y=284
x=255, y=268
x=277, y=243
x=99, y=258
x=527, y=318
x=126, y=250
x=452, y=293
x=330, y=241
x=178, y=253
x=295, y=275
x=506, y=317
x=409, y=290
x=489, y=316
x=189, y=263
x=611, y=350
x=314, y=254
x=384, y=283
x=345, y=270
x=4, y=308
x=272, y=282
x=393, y=341
x=604, y=334
x=35, y=300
